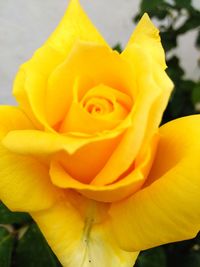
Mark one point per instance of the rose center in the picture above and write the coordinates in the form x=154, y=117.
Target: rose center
x=98, y=106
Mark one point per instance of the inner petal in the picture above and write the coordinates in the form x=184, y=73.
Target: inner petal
x=94, y=63
x=101, y=108
x=105, y=100
x=97, y=106
x=86, y=162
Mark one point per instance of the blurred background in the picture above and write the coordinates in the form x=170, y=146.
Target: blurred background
x=25, y=25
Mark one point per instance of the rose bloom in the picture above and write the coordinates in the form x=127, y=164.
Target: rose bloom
x=83, y=154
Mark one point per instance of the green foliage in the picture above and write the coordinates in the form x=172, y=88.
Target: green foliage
x=21, y=242
x=8, y=217
x=152, y=258
x=198, y=40
x=196, y=94
x=32, y=250
x=6, y=247
x=117, y=48
x=184, y=254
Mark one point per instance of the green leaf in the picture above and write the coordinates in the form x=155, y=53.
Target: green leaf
x=156, y=8
x=174, y=69
x=196, y=94
x=184, y=254
x=152, y=258
x=191, y=23
x=192, y=259
x=8, y=217
x=6, y=246
x=148, y=6
x=183, y=3
x=118, y=48
x=32, y=250
x=197, y=43
x=169, y=39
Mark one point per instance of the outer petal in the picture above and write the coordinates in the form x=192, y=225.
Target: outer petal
x=33, y=142
x=167, y=209
x=12, y=118
x=146, y=35
x=74, y=26
x=79, y=236
x=24, y=182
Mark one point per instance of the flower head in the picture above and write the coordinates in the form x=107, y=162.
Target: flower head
x=83, y=152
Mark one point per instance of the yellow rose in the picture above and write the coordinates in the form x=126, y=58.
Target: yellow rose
x=82, y=153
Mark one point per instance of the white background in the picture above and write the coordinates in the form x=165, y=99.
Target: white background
x=25, y=25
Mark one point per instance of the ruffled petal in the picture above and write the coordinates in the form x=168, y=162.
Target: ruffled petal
x=167, y=208
x=78, y=234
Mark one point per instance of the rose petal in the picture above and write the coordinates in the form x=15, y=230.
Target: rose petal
x=113, y=106
x=24, y=184
x=81, y=237
x=153, y=91
x=124, y=187
x=74, y=149
x=34, y=142
x=74, y=26
x=169, y=204
x=12, y=118
x=146, y=36
x=145, y=54
x=86, y=162
x=86, y=60
x=144, y=120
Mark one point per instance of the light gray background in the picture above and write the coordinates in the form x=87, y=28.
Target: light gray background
x=25, y=25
